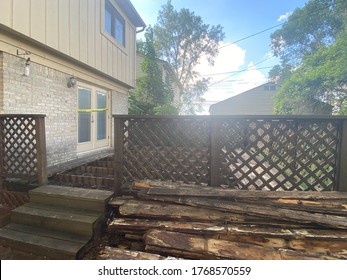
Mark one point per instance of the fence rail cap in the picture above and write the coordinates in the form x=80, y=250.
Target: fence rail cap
x=258, y=117
x=23, y=115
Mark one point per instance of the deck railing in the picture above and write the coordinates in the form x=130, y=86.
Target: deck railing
x=23, y=148
x=243, y=152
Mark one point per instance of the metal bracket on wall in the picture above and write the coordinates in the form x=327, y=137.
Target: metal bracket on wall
x=23, y=53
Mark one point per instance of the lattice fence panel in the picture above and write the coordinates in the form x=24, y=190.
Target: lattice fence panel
x=280, y=154
x=19, y=146
x=166, y=149
x=254, y=153
x=12, y=200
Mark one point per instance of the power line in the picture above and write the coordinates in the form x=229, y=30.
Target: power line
x=241, y=70
x=238, y=71
x=322, y=9
x=252, y=35
x=238, y=82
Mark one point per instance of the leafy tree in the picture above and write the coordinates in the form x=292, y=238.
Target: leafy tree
x=182, y=39
x=307, y=30
x=153, y=95
x=311, y=46
x=321, y=77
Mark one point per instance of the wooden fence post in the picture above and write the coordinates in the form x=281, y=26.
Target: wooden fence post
x=118, y=156
x=41, y=150
x=215, y=160
x=342, y=163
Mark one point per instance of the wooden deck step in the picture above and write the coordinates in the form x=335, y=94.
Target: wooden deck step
x=4, y=216
x=85, y=180
x=56, y=218
x=94, y=170
x=41, y=242
x=82, y=199
x=58, y=222
x=106, y=162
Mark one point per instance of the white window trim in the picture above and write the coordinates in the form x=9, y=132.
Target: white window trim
x=93, y=144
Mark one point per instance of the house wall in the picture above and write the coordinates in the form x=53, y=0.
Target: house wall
x=62, y=38
x=76, y=29
x=256, y=101
x=1, y=80
x=45, y=91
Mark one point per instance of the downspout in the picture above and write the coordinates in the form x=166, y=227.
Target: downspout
x=141, y=30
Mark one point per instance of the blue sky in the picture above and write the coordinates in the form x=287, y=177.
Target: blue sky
x=239, y=18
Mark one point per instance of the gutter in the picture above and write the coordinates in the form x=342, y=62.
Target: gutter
x=141, y=30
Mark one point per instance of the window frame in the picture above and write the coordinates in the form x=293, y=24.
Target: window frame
x=116, y=17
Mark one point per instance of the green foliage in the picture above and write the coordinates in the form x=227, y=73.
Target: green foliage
x=307, y=29
x=152, y=93
x=311, y=46
x=182, y=39
x=321, y=77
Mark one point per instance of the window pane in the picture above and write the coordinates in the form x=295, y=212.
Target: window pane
x=114, y=23
x=108, y=21
x=101, y=116
x=120, y=31
x=84, y=118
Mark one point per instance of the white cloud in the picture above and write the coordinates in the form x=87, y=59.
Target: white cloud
x=230, y=58
x=284, y=16
x=249, y=79
x=227, y=76
x=233, y=85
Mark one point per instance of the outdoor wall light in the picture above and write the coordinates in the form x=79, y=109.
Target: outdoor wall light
x=72, y=82
x=27, y=67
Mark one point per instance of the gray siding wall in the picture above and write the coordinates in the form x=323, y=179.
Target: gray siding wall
x=253, y=102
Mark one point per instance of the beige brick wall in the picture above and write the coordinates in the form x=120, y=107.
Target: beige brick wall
x=45, y=91
x=1, y=82
x=119, y=107
x=119, y=103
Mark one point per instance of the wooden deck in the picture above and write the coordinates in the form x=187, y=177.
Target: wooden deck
x=58, y=222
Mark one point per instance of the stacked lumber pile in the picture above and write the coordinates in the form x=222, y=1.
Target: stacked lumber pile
x=197, y=222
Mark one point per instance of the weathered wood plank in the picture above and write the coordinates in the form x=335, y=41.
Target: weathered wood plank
x=201, y=222
x=221, y=248
x=110, y=253
x=331, y=207
x=289, y=233
x=155, y=210
x=181, y=189
x=142, y=225
x=270, y=212
x=320, y=246
x=180, y=253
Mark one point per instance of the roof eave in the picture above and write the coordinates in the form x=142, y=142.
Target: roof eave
x=132, y=14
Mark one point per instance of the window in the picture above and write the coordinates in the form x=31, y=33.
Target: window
x=114, y=23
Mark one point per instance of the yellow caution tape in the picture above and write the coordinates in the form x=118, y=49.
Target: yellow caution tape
x=91, y=110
